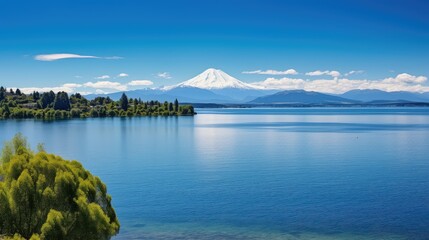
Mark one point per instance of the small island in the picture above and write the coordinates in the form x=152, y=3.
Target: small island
x=51, y=106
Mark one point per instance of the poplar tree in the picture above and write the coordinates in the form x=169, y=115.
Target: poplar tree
x=176, y=105
x=124, y=102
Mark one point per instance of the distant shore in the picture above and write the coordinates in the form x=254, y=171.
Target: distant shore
x=299, y=105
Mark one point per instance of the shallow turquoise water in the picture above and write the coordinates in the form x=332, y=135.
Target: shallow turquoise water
x=328, y=173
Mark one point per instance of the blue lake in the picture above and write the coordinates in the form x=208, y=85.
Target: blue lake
x=311, y=173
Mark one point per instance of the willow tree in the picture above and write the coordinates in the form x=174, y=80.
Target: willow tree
x=43, y=196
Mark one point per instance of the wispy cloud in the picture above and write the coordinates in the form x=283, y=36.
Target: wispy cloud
x=272, y=72
x=122, y=75
x=140, y=83
x=112, y=58
x=402, y=82
x=106, y=85
x=354, y=72
x=320, y=73
x=59, y=56
x=72, y=85
x=102, y=77
x=67, y=87
x=99, y=87
x=164, y=75
x=117, y=86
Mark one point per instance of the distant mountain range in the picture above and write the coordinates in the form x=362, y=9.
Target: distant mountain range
x=370, y=95
x=216, y=86
x=211, y=86
x=301, y=97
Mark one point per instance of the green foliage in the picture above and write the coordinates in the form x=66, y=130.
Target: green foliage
x=51, y=106
x=2, y=93
x=43, y=196
x=176, y=105
x=47, y=99
x=62, y=101
x=124, y=102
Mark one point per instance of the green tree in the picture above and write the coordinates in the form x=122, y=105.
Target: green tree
x=62, y=101
x=124, y=102
x=176, y=105
x=18, y=92
x=170, y=107
x=36, y=95
x=2, y=93
x=47, y=99
x=43, y=196
x=49, y=105
x=6, y=111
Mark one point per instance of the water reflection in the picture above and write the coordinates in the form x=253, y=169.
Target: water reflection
x=255, y=174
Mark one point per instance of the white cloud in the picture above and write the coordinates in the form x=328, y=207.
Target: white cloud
x=320, y=73
x=272, y=72
x=140, y=83
x=67, y=87
x=164, y=75
x=103, y=77
x=84, y=92
x=99, y=87
x=354, y=72
x=29, y=90
x=59, y=56
x=123, y=75
x=106, y=85
x=72, y=85
x=406, y=79
x=113, y=58
x=402, y=82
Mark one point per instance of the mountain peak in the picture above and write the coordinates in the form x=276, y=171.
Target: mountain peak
x=211, y=70
x=214, y=79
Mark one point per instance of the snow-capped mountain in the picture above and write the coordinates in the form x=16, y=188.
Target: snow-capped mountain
x=211, y=86
x=212, y=79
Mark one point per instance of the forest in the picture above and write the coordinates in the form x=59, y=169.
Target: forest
x=14, y=104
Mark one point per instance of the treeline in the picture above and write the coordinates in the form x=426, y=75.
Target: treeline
x=48, y=105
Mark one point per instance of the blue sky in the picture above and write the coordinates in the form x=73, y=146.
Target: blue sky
x=166, y=42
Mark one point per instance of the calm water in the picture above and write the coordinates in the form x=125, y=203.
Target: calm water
x=256, y=173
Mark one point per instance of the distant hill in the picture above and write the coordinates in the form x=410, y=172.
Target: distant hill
x=300, y=97
x=373, y=95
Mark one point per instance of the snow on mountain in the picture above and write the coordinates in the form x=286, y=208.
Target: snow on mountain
x=212, y=79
